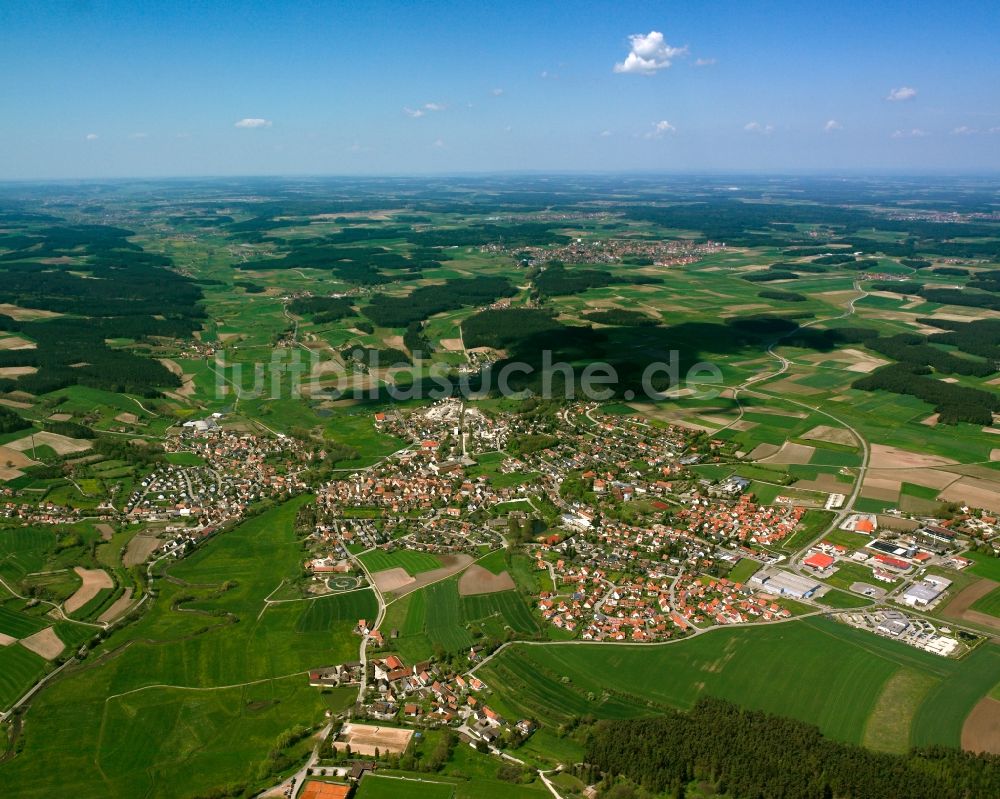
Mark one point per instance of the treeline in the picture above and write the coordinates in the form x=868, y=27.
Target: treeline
x=748, y=754
x=502, y=327
x=375, y=357
x=332, y=308
x=127, y=294
x=621, y=318
x=557, y=280
x=11, y=422
x=769, y=276
x=782, y=296
x=74, y=351
x=953, y=402
x=415, y=339
x=425, y=301
x=945, y=296
x=981, y=338
x=912, y=348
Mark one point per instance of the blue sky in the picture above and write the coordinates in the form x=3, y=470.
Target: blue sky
x=117, y=89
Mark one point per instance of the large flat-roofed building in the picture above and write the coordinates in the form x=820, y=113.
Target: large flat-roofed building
x=926, y=591
x=788, y=584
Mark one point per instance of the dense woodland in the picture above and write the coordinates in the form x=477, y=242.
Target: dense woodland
x=746, y=754
x=390, y=311
x=115, y=291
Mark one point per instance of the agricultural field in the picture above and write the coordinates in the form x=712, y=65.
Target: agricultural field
x=411, y=561
x=207, y=660
x=556, y=683
x=856, y=355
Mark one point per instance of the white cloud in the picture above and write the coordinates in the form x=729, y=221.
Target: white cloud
x=604, y=134
x=439, y=143
x=913, y=133
x=902, y=93
x=756, y=127
x=91, y=137
x=706, y=62
x=648, y=54
x=139, y=136
x=497, y=92
x=994, y=130
x=660, y=129
x=832, y=125
x=416, y=113
x=253, y=122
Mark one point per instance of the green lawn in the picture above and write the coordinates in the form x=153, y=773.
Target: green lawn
x=809, y=528
x=380, y=787
x=743, y=570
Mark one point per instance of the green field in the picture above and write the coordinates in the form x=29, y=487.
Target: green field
x=19, y=625
x=815, y=670
x=744, y=570
x=380, y=787
x=208, y=679
x=327, y=614
x=985, y=565
x=19, y=669
x=413, y=562
x=507, y=605
x=989, y=604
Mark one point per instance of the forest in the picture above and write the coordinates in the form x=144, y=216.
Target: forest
x=954, y=403
x=117, y=291
x=389, y=311
x=746, y=754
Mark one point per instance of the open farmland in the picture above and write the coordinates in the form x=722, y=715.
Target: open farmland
x=838, y=677
x=204, y=663
x=548, y=522
x=412, y=562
